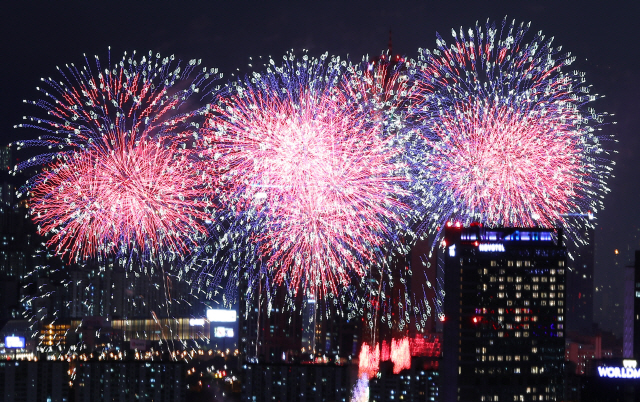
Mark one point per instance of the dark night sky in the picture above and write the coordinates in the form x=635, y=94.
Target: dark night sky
x=37, y=36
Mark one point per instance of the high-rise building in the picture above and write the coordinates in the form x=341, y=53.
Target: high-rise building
x=631, y=333
x=23, y=381
x=504, y=311
x=580, y=285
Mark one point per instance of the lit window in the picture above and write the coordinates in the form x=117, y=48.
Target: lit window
x=518, y=295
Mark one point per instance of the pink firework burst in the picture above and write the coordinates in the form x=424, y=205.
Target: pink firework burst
x=508, y=166
x=509, y=135
x=142, y=196
x=121, y=177
x=322, y=178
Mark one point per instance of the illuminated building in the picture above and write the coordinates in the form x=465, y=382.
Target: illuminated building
x=34, y=381
x=129, y=381
x=503, y=334
x=580, y=285
x=611, y=380
x=631, y=333
x=414, y=384
x=54, y=334
x=297, y=382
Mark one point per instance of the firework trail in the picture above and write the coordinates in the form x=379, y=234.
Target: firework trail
x=510, y=138
x=122, y=174
x=316, y=179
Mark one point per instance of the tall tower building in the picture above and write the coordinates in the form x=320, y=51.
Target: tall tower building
x=504, y=311
x=580, y=285
x=631, y=335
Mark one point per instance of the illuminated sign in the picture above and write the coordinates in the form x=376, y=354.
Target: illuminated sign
x=491, y=247
x=223, y=332
x=217, y=315
x=618, y=372
x=452, y=251
x=14, y=342
x=139, y=344
x=196, y=322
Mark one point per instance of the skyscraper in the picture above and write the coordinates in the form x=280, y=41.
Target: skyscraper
x=504, y=314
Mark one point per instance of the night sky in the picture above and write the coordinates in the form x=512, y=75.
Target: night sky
x=38, y=36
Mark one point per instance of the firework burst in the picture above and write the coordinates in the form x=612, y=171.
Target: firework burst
x=143, y=196
x=510, y=138
x=121, y=176
x=321, y=182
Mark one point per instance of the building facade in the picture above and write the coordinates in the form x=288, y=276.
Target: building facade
x=503, y=330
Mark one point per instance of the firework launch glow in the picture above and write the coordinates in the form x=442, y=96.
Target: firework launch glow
x=510, y=138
